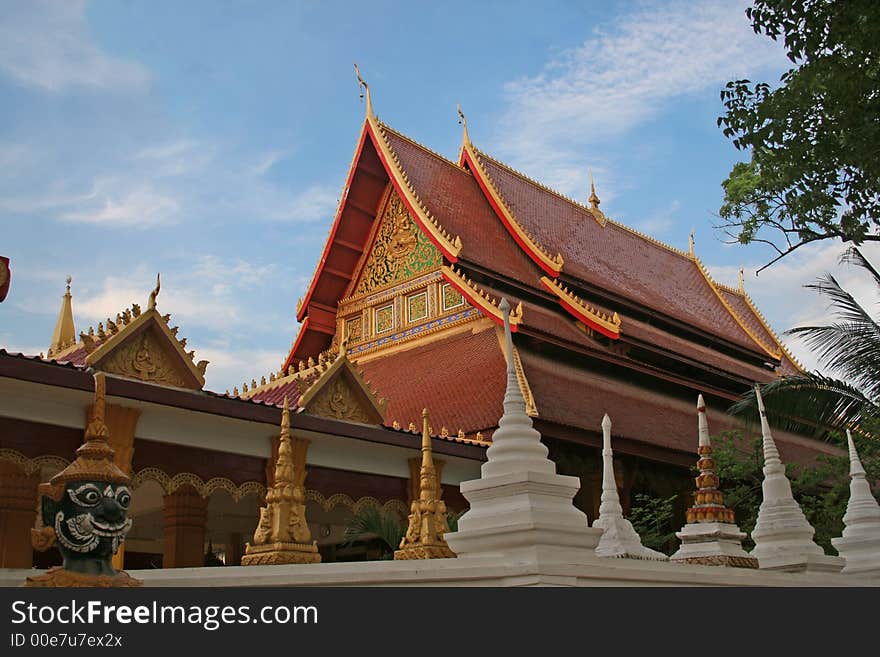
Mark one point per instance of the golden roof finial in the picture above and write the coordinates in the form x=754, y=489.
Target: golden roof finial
x=594, y=199
x=151, y=304
x=742, y=282
x=365, y=90
x=462, y=121
x=691, y=243
x=64, y=334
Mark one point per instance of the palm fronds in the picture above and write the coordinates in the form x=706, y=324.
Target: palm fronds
x=810, y=404
x=371, y=521
x=849, y=348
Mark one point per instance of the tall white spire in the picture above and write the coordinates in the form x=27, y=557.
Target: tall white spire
x=619, y=538
x=710, y=537
x=519, y=506
x=860, y=543
x=783, y=537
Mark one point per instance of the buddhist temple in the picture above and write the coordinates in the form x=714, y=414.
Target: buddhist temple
x=403, y=312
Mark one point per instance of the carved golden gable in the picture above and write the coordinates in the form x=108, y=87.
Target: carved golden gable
x=341, y=393
x=146, y=356
x=400, y=250
x=146, y=349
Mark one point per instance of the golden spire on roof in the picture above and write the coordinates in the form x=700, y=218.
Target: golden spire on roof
x=742, y=283
x=365, y=90
x=65, y=333
x=691, y=250
x=462, y=121
x=594, y=199
x=151, y=304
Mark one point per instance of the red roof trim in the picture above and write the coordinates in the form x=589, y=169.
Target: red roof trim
x=414, y=212
x=478, y=303
x=476, y=170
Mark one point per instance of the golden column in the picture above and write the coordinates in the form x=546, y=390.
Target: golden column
x=18, y=511
x=427, y=518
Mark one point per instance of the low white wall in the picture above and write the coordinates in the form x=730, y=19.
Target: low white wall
x=477, y=572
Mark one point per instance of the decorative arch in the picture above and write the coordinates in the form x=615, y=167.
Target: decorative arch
x=34, y=465
x=204, y=488
x=342, y=499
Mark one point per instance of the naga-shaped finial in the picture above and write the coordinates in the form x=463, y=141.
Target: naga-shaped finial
x=151, y=304
x=462, y=121
x=365, y=90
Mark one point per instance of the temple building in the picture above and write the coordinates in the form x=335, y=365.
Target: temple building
x=402, y=313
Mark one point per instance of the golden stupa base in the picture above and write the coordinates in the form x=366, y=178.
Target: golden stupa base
x=723, y=560
x=424, y=552
x=278, y=553
x=61, y=578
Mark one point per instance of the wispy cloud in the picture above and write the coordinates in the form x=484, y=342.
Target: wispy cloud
x=46, y=45
x=228, y=367
x=622, y=76
x=659, y=222
x=140, y=206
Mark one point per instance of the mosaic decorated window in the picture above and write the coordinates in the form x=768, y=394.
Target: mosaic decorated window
x=451, y=297
x=354, y=328
x=384, y=318
x=417, y=307
x=400, y=251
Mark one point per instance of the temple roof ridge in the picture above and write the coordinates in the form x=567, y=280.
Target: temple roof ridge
x=420, y=145
x=775, y=353
x=606, y=323
x=582, y=206
x=550, y=263
x=479, y=298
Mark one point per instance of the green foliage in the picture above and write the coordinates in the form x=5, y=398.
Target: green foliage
x=812, y=403
x=822, y=489
x=371, y=521
x=814, y=171
x=651, y=517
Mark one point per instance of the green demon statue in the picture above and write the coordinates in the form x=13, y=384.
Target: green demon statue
x=85, y=511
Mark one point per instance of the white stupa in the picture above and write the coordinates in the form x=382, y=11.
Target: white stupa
x=783, y=537
x=619, y=538
x=710, y=537
x=860, y=543
x=519, y=507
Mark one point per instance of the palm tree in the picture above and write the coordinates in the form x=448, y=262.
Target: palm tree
x=371, y=521
x=813, y=403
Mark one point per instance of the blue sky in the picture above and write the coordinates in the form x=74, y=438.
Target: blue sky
x=210, y=141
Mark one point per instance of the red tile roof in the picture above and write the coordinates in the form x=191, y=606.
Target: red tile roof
x=615, y=258
x=459, y=378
